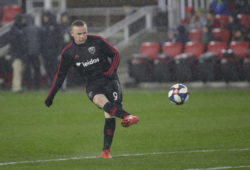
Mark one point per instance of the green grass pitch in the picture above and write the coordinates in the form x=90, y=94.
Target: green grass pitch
x=211, y=130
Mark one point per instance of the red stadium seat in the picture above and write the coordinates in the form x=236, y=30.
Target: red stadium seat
x=185, y=63
x=195, y=49
x=150, y=49
x=239, y=49
x=244, y=20
x=222, y=19
x=217, y=47
x=163, y=65
x=208, y=66
x=231, y=65
x=140, y=65
x=221, y=34
x=195, y=35
x=171, y=49
x=10, y=12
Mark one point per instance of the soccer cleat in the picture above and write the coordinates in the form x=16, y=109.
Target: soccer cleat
x=106, y=154
x=129, y=120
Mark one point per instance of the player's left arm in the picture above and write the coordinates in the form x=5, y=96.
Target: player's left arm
x=111, y=52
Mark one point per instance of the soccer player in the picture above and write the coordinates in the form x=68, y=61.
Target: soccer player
x=97, y=61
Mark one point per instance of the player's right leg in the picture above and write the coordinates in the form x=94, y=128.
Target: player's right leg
x=115, y=110
x=113, y=91
x=129, y=120
x=109, y=98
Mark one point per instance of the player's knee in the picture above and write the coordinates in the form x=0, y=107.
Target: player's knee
x=100, y=100
x=108, y=116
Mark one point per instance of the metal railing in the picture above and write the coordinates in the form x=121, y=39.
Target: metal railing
x=4, y=30
x=142, y=19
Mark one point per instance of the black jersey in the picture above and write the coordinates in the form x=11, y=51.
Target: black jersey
x=95, y=59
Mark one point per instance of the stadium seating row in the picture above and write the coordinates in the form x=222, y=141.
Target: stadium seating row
x=175, y=62
x=8, y=13
x=221, y=33
x=244, y=20
x=152, y=50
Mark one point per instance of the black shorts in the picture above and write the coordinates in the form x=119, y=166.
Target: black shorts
x=110, y=88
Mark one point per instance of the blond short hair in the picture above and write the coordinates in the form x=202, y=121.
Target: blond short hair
x=78, y=23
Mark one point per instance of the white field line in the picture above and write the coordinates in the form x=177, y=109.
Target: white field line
x=223, y=167
x=127, y=155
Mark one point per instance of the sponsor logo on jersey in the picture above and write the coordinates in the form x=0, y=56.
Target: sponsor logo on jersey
x=76, y=56
x=88, y=62
x=91, y=50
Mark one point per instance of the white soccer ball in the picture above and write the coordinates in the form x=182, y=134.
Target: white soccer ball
x=178, y=94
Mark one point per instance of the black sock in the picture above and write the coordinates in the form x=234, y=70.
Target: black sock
x=114, y=110
x=109, y=130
